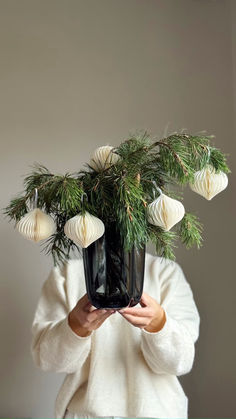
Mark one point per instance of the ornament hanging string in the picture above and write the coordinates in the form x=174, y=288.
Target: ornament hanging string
x=35, y=199
x=82, y=201
x=156, y=189
x=82, y=197
x=208, y=154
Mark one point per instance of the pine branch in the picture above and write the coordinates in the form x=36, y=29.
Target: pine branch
x=163, y=240
x=218, y=160
x=129, y=208
x=190, y=231
x=182, y=155
x=16, y=209
x=58, y=244
x=119, y=194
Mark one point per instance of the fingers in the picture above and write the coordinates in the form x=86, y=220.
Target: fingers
x=89, y=307
x=84, y=298
x=137, y=311
x=136, y=321
x=88, y=317
x=99, y=314
x=101, y=319
x=145, y=299
x=95, y=314
x=96, y=322
x=92, y=320
x=85, y=304
x=83, y=301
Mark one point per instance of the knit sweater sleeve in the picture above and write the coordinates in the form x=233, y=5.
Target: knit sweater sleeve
x=54, y=346
x=172, y=349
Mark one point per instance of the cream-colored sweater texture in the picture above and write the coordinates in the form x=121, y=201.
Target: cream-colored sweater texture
x=119, y=370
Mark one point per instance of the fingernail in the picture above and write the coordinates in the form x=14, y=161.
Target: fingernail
x=121, y=311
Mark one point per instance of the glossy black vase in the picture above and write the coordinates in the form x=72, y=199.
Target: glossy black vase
x=114, y=278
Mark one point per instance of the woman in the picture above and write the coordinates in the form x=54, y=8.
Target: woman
x=122, y=363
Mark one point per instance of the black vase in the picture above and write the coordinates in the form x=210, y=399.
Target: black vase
x=114, y=277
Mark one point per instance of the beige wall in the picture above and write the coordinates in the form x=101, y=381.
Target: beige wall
x=233, y=27
x=77, y=74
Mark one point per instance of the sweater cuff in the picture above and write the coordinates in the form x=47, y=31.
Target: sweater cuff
x=71, y=337
x=165, y=329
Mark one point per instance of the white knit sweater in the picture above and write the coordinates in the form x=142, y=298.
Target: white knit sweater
x=119, y=370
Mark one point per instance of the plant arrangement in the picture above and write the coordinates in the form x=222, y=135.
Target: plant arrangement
x=130, y=189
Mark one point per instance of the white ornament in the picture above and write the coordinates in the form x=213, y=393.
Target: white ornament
x=103, y=157
x=36, y=225
x=208, y=183
x=84, y=229
x=165, y=212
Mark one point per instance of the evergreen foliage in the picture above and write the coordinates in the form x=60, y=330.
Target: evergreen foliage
x=190, y=231
x=119, y=195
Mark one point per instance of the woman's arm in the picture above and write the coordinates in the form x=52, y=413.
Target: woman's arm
x=169, y=329
x=61, y=339
x=171, y=350
x=55, y=346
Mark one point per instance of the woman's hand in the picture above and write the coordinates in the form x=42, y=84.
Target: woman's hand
x=150, y=316
x=84, y=318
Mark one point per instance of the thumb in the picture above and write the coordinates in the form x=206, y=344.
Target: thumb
x=144, y=300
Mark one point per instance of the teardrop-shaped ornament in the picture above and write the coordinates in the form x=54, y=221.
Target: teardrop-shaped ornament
x=36, y=225
x=165, y=212
x=103, y=157
x=84, y=229
x=208, y=183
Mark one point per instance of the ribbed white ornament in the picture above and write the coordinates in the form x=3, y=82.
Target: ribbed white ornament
x=84, y=229
x=165, y=212
x=103, y=157
x=36, y=225
x=208, y=183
